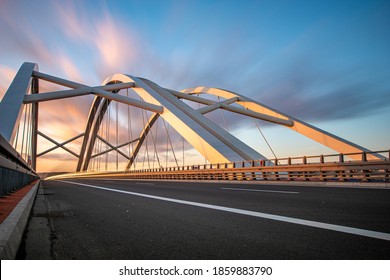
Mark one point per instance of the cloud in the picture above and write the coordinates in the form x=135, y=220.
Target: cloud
x=7, y=74
x=301, y=73
x=70, y=69
x=111, y=43
x=307, y=91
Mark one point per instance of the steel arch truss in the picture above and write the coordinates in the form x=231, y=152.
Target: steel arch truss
x=208, y=138
x=257, y=109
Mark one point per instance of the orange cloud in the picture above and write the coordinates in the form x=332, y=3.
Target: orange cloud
x=113, y=43
x=7, y=74
x=70, y=69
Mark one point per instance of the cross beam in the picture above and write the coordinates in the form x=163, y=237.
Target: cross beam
x=212, y=105
x=115, y=148
x=80, y=89
x=59, y=145
x=54, y=95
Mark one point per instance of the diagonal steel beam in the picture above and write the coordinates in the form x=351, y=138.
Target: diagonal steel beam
x=112, y=147
x=241, y=111
x=216, y=105
x=59, y=145
x=115, y=148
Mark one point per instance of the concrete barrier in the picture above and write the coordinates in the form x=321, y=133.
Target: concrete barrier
x=12, y=228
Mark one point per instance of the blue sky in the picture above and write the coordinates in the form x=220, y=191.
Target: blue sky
x=325, y=62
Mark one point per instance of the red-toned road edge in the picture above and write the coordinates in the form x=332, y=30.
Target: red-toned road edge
x=9, y=202
x=15, y=211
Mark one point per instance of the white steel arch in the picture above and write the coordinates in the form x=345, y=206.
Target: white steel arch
x=208, y=138
x=323, y=137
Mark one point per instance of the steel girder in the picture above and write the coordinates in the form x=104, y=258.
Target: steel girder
x=323, y=137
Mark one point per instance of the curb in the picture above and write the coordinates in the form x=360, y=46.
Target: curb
x=12, y=228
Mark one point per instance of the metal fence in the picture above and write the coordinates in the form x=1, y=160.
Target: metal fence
x=307, y=168
x=15, y=173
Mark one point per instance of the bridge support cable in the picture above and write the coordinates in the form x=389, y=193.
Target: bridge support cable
x=117, y=132
x=16, y=144
x=24, y=131
x=98, y=149
x=154, y=141
x=105, y=135
x=29, y=136
x=96, y=114
x=265, y=139
x=129, y=127
x=167, y=148
x=146, y=152
x=183, y=150
x=34, y=130
x=147, y=127
x=155, y=145
x=170, y=142
x=208, y=138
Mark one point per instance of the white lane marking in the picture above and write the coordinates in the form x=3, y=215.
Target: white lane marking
x=344, y=229
x=256, y=190
x=113, y=181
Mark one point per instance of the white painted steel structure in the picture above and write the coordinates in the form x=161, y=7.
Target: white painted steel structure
x=208, y=138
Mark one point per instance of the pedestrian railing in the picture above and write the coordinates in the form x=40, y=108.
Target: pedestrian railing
x=306, y=168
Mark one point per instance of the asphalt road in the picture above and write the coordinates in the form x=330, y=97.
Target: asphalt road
x=205, y=221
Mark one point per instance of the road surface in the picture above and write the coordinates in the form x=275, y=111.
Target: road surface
x=121, y=219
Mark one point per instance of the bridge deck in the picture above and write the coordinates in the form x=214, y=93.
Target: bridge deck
x=121, y=219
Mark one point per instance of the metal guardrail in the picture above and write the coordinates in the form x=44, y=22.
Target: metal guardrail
x=15, y=173
x=306, y=168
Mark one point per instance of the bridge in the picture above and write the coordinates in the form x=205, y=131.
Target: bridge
x=157, y=127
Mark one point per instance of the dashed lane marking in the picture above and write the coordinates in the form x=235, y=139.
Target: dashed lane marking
x=257, y=190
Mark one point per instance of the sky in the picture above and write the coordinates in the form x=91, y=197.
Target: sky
x=324, y=62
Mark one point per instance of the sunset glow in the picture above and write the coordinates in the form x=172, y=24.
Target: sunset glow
x=326, y=62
